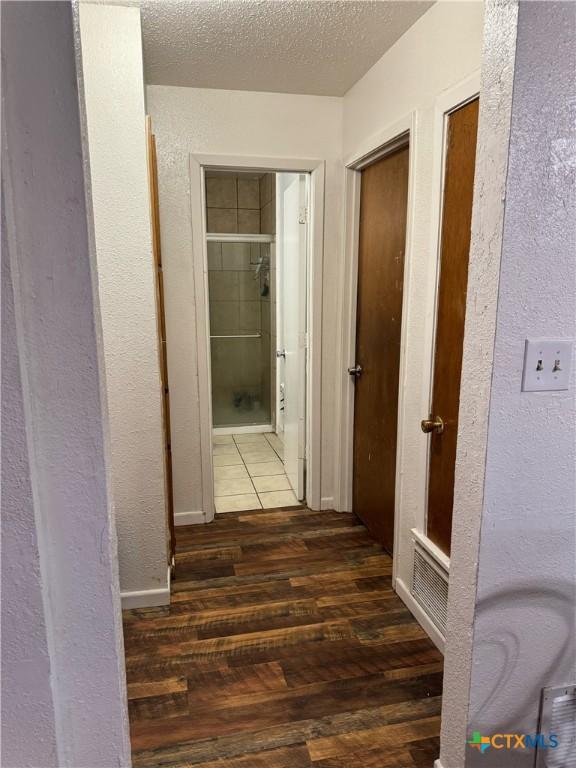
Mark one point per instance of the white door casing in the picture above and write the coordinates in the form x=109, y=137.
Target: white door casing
x=314, y=171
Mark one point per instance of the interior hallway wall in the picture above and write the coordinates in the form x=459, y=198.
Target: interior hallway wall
x=192, y=120
x=115, y=116
x=442, y=49
x=525, y=612
x=63, y=681
x=512, y=604
x=28, y=725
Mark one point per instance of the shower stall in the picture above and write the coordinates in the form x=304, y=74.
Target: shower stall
x=240, y=324
x=241, y=284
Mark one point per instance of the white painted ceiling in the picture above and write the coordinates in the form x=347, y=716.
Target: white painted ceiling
x=317, y=47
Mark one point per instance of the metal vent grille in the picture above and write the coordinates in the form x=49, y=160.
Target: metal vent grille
x=430, y=586
x=558, y=716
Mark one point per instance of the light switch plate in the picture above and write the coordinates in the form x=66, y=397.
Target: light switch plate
x=547, y=364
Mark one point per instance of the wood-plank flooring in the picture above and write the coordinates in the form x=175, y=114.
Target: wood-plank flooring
x=284, y=647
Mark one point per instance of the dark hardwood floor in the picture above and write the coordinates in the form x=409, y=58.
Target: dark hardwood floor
x=284, y=647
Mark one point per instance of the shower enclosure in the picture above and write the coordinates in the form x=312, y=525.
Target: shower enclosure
x=240, y=329
x=241, y=226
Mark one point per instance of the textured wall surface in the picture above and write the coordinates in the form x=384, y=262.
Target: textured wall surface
x=525, y=609
x=234, y=123
x=112, y=70
x=442, y=48
x=60, y=363
x=28, y=725
x=439, y=51
x=485, y=250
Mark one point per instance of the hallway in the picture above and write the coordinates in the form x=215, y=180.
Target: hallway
x=284, y=646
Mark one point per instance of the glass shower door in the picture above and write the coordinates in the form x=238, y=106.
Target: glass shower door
x=240, y=323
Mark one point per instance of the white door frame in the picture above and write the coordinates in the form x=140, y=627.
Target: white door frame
x=316, y=168
x=391, y=138
x=448, y=102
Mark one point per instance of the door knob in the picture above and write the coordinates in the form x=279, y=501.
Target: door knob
x=355, y=371
x=281, y=353
x=432, y=425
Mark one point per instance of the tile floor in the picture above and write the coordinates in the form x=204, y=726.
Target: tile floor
x=249, y=473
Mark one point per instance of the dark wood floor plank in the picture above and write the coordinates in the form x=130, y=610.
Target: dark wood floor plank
x=285, y=757
x=387, y=735
x=171, y=705
x=157, y=688
x=207, y=618
x=273, y=550
x=213, y=687
x=354, y=661
x=284, y=646
x=183, y=753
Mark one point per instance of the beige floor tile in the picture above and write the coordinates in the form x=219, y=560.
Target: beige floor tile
x=265, y=468
x=233, y=486
x=222, y=440
x=231, y=472
x=226, y=448
x=271, y=483
x=237, y=503
x=227, y=459
x=254, y=457
x=275, y=441
x=278, y=499
x=250, y=438
x=276, y=444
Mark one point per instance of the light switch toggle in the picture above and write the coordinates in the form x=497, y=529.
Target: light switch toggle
x=547, y=364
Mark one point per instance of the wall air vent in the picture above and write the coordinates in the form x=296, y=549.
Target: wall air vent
x=558, y=716
x=430, y=586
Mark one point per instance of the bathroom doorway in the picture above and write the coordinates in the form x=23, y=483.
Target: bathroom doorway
x=256, y=246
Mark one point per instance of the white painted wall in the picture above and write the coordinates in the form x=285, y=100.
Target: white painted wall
x=63, y=682
x=512, y=602
x=191, y=120
x=115, y=116
x=442, y=49
x=525, y=612
x=497, y=84
x=28, y=722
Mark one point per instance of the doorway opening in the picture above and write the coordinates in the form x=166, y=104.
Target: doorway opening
x=257, y=244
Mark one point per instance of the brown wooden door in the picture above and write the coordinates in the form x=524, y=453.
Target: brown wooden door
x=383, y=208
x=155, y=218
x=454, y=252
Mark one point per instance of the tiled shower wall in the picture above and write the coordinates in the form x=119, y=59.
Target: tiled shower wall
x=240, y=288
x=233, y=202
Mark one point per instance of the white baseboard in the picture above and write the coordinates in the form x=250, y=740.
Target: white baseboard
x=190, y=518
x=420, y=615
x=147, y=598
x=327, y=502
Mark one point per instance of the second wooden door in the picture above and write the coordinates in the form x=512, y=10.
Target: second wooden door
x=383, y=209
x=454, y=251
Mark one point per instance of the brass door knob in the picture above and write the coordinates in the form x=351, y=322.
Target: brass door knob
x=432, y=425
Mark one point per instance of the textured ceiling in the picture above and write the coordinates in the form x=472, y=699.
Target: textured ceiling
x=293, y=46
